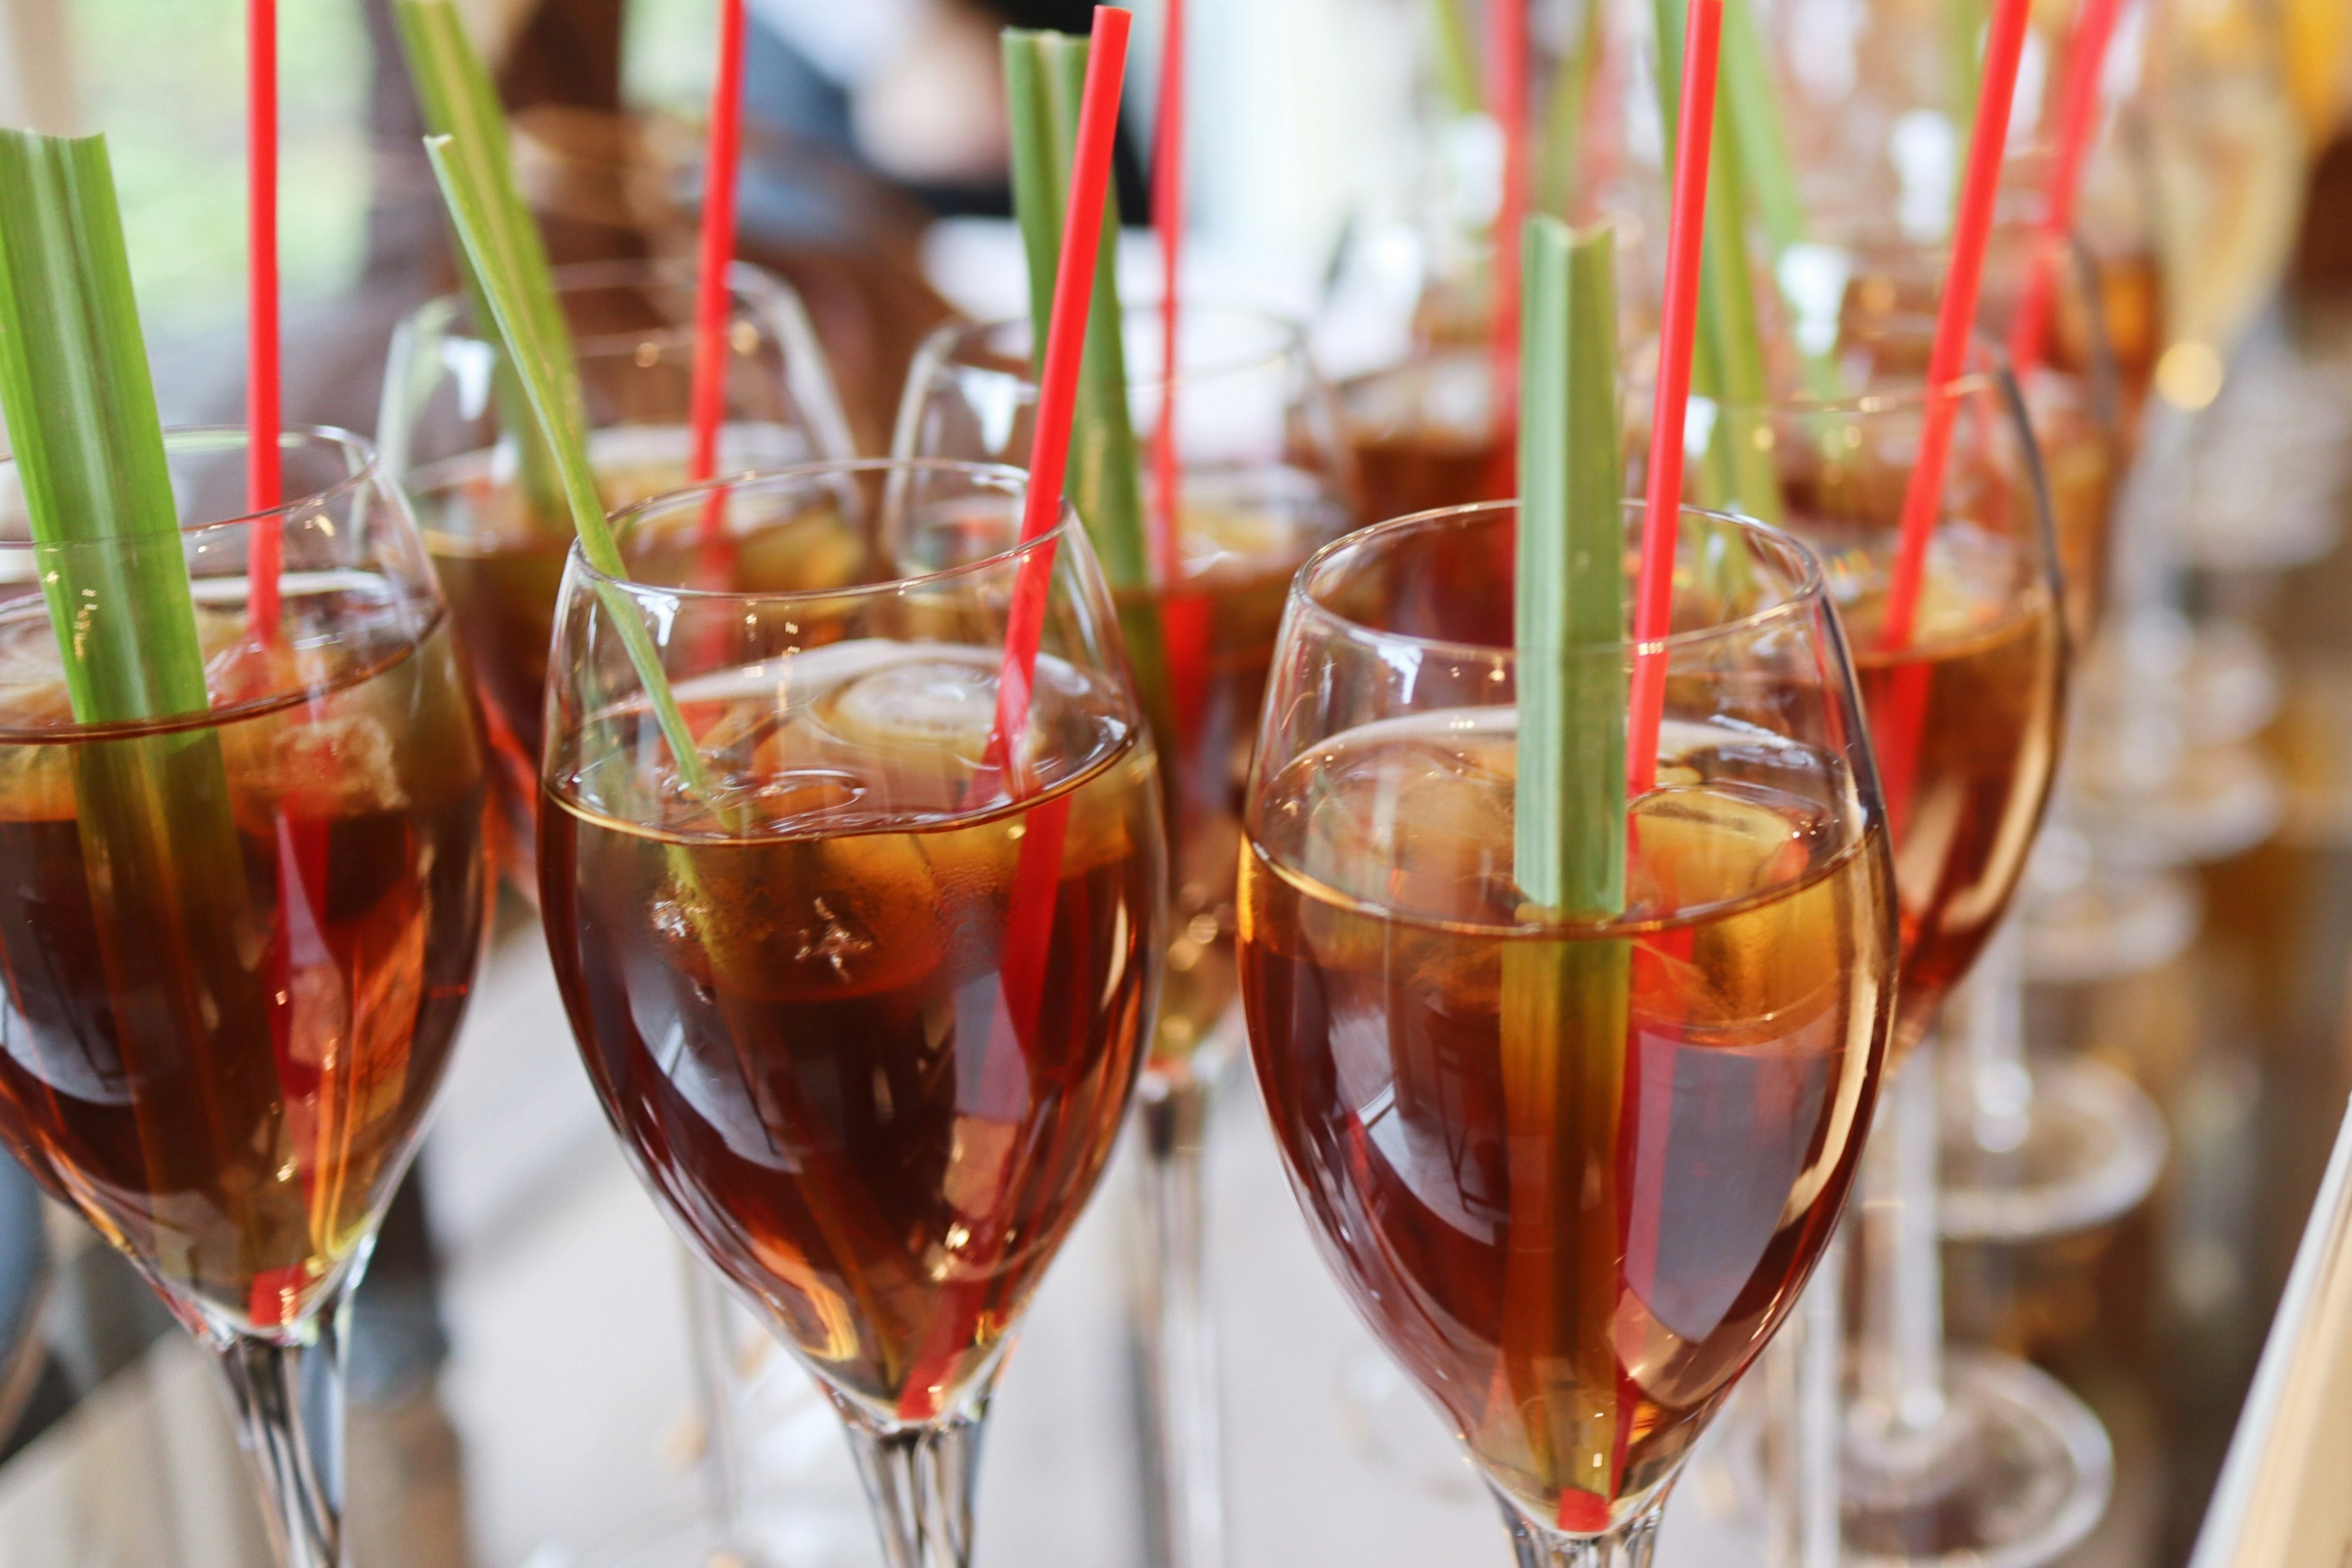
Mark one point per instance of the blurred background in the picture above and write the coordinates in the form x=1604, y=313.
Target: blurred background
x=521, y=1367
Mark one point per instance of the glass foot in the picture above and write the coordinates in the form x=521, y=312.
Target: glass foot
x=2079, y=1145
x=804, y=1538
x=2016, y=1473
x=2115, y=921
x=2230, y=684
x=2220, y=803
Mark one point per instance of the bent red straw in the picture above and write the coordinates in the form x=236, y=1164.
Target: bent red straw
x=706, y=396
x=1509, y=45
x=1948, y=357
x=2078, y=117
x=1654, y=591
x=264, y=482
x=1057, y=386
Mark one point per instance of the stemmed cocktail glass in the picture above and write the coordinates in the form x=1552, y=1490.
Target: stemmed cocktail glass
x=1943, y=1454
x=1262, y=479
x=238, y=943
x=458, y=438
x=1573, y=1244
x=864, y=984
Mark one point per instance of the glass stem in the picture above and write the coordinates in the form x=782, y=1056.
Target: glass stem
x=1802, y=1374
x=1901, y=1365
x=1997, y=1087
x=920, y=1481
x=1820, y=1384
x=710, y=1345
x=1627, y=1546
x=289, y=1398
x=1183, y=1481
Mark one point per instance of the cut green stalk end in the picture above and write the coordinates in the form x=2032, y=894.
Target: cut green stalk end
x=486, y=211
x=1565, y=1001
x=459, y=99
x=1569, y=852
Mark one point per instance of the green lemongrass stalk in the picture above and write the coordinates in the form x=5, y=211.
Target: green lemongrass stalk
x=490, y=217
x=1563, y=137
x=1044, y=81
x=1458, y=58
x=1752, y=106
x=167, y=882
x=458, y=99
x=1565, y=999
x=1965, y=23
x=1727, y=366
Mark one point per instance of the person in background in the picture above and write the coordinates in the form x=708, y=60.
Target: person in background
x=908, y=91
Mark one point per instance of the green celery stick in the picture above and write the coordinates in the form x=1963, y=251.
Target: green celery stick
x=1458, y=58
x=458, y=99
x=489, y=216
x=1045, y=79
x=1964, y=22
x=1752, y=103
x=1564, y=117
x=1565, y=998
x=167, y=880
x=1728, y=365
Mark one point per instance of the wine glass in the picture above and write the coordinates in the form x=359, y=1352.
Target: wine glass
x=1572, y=1174
x=1264, y=480
x=1946, y=1456
x=864, y=981
x=238, y=943
x=493, y=518
x=2034, y=1147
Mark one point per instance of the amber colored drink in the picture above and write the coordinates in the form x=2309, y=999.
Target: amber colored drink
x=1221, y=619
x=1966, y=722
x=1425, y=436
x=223, y=1062
x=872, y=1048
x=1577, y=1234
x=500, y=561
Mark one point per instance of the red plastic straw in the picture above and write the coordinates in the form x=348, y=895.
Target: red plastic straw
x=707, y=397
x=1948, y=357
x=1057, y=388
x=1508, y=22
x=263, y=481
x=1029, y=919
x=1167, y=211
x=1655, y=595
x=2078, y=117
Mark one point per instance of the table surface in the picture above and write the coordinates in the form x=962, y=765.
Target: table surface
x=561, y=1417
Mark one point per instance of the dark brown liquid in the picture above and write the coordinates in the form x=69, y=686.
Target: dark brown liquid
x=221, y=1050
x=1220, y=625
x=874, y=1070
x=1572, y=1176
x=1966, y=722
x=500, y=565
x=1426, y=435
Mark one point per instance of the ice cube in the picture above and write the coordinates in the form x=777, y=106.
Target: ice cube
x=809, y=919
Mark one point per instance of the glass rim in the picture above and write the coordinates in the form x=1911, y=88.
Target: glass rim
x=1993, y=375
x=1014, y=481
x=752, y=285
x=366, y=468
x=1291, y=344
x=1810, y=588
